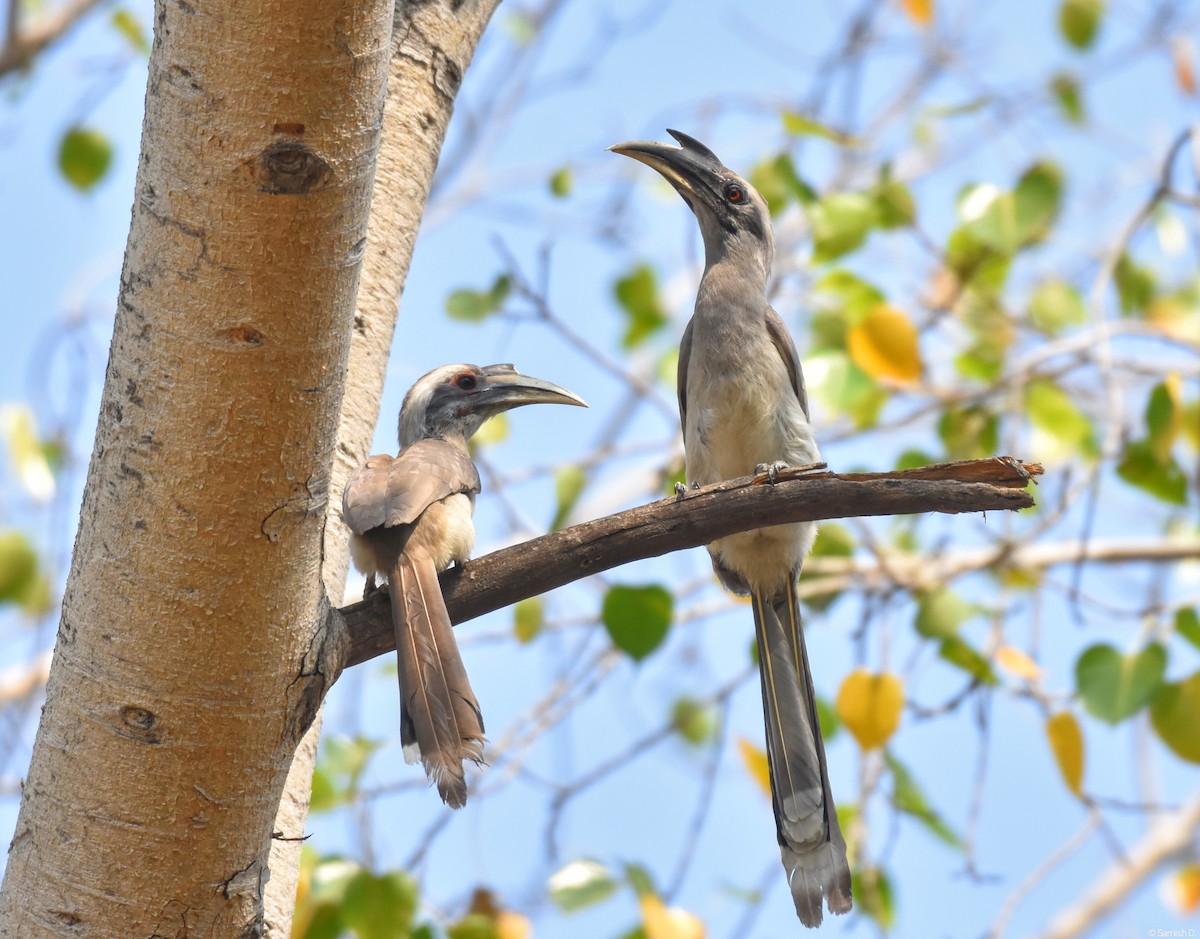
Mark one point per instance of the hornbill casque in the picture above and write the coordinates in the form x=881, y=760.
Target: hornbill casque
x=411, y=518
x=744, y=410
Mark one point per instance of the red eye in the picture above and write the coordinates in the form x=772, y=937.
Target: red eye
x=735, y=193
x=466, y=381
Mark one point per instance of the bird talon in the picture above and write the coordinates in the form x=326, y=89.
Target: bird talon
x=680, y=488
x=772, y=470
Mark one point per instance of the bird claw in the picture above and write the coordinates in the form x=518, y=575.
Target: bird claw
x=680, y=488
x=772, y=470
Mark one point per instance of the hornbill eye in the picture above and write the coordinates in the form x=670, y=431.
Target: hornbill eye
x=735, y=193
x=466, y=381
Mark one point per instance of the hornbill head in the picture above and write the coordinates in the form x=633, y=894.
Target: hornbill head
x=454, y=400
x=733, y=217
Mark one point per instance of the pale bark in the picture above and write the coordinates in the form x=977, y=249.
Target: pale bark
x=182, y=678
x=432, y=46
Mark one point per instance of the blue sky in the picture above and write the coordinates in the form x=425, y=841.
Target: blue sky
x=62, y=261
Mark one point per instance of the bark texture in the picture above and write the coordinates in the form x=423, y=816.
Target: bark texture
x=432, y=45
x=182, y=679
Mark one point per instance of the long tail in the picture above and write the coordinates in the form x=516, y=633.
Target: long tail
x=440, y=721
x=810, y=841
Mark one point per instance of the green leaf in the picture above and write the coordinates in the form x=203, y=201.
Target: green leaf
x=1175, y=715
x=18, y=567
x=982, y=361
x=894, y=204
x=847, y=295
x=380, y=906
x=941, y=613
x=913, y=458
x=845, y=387
x=131, y=28
x=521, y=27
x=908, y=797
x=778, y=182
x=955, y=651
x=801, y=125
x=640, y=880
x=1055, y=305
x=833, y=541
x=561, y=182
x=84, y=156
x=473, y=926
x=1187, y=624
x=529, y=618
x=693, y=721
x=474, y=305
x=637, y=293
x=580, y=884
x=968, y=433
x=1069, y=97
x=637, y=618
x=827, y=719
x=569, y=483
x=1013, y=220
x=1163, y=418
x=1051, y=409
x=1079, y=21
x=1136, y=285
x=840, y=223
x=336, y=776
x=873, y=895
x=1113, y=686
x=1141, y=467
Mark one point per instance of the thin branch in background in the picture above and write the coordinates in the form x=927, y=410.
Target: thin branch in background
x=1170, y=836
x=1040, y=873
x=22, y=44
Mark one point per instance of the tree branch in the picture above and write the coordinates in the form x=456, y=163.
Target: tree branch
x=1169, y=837
x=20, y=47
x=694, y=518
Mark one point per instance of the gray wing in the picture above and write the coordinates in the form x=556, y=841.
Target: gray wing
x=685, y=353
x=787, y=351
x=386, y=492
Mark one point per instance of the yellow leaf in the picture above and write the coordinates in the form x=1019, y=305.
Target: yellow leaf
x=870, y=705
x=660, y=922
x=920, y=11
x=756, y=762
x=512, y=926
x=1183, y=889
x=1066, y=742
x=884, y=345
x=1183, y=59
x=1013, y=660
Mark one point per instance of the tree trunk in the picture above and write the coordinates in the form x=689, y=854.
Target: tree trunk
x=182, y=678
x=432, y=46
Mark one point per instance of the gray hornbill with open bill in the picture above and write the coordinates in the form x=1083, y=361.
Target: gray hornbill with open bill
x=411, y=518
x=744, y=410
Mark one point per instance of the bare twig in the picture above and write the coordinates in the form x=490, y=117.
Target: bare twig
x=21, y=46
x=1168, y=838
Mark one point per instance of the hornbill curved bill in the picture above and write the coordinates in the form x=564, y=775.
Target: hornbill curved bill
x=743, y=408
x=411, y=518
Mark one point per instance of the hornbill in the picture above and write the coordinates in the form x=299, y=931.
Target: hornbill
x=411, y=518
x=744, y=410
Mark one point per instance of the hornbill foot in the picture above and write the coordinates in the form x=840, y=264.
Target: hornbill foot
x=772, y=470
x=369, y=587
x=680, y=488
